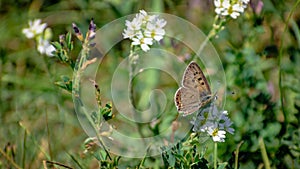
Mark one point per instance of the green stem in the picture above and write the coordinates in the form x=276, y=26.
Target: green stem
x=215, y=154
x=24, y=149
x=131, y=72
x=281, y=89
x=48, y=136
x=217, y=27
x=76, y=94
x=236, y=162
x=34, y=141
x=264, y=153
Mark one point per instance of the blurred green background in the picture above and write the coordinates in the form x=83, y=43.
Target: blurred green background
x=259, y=51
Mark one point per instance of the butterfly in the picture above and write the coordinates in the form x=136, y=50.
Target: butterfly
x=194, y=93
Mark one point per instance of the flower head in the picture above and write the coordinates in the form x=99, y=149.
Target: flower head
x=35, y=28
x=143, y=29
x=232, y=8
x=213, y=122
x=217, y=135
x=44, y=47
x=154, y=32
x=144, y=42
x=42, y=36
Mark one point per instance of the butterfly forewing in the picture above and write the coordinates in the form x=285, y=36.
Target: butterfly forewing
x=195, y=91
x=194, y=79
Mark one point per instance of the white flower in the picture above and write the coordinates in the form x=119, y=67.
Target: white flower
x=230, y=8
x=134, y=25
x=160, y=23
x=35, y=28
x=221, y=5
x=143, y=42
x=217, y=135
x=44, y=47
x=143, y=29
x=128, y=33
x=232, y=13
x=154, y=32
x=143, y=12
x=143, y=15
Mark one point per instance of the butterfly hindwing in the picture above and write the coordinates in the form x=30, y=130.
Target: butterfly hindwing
x=195, y=91
x=187, y=101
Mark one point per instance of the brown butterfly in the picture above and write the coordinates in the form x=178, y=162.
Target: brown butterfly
x=195, y=91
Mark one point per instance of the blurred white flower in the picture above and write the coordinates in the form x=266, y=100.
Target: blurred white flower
x=143, y=29
x=44, y=47
x=35, y=28
x=128, y=33
x=160, y=23
x=217, y=135
x=221, y=5
x=232, y=8
x=134, y=25
x=154, y=32
x=145, y=18
x=143, y=42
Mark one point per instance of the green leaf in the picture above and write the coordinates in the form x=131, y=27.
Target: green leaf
x=57, y=45
x=69, y=41
x=66, y=83
x=222, y=165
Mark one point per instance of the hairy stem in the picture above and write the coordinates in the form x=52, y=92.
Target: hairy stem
x=132, y=65
x=79, y=68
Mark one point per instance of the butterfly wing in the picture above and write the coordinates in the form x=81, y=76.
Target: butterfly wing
x=187, y=101
x=195, y=91
x=194, y=79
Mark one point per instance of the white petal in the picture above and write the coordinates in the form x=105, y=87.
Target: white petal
x=143, y=12
x=158, y=37
x=136, y=41
x=28, y=33
x=148, y=41
x=145, y=47
x=49, y=50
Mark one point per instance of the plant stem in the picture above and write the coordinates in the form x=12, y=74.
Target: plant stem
x=215, y=154
x=34, y=141
x=217, y=27
x=236, y=161
x=281, y=88
x=79, y=68
x=55, y=163
x=264, y=153
x=24, y=149
x=48, y=136
x=131, y=72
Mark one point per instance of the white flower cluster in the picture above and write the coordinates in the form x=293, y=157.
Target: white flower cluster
x=233, y=8
x=143, y=29
x=213, y=122
x=37, y=30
